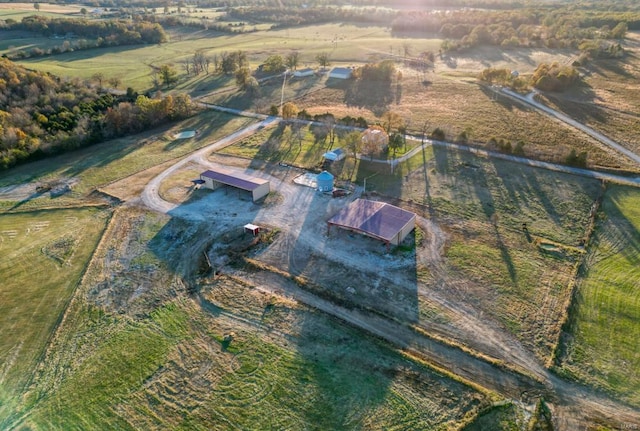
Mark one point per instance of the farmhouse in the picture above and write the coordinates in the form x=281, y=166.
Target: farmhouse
x=379, y=220
x=340, y=73
x=303, y=72
x=219, y=177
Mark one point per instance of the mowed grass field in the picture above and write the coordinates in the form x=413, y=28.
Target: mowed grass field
x=43, y=255
x=133, y=64
x=602, y=346
x=136, y=352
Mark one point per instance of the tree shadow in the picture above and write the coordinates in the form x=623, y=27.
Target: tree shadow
x=503, y=101
x=477, y=177
x=626, y=238
x=370, y=94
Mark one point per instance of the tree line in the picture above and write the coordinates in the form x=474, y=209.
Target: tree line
x=85, y=34
x=42, y=114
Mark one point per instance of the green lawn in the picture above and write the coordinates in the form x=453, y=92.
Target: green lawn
x=603, y=346
x=132, y=64
x=43, y=255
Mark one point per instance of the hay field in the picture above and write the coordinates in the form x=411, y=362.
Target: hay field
x=43, y=255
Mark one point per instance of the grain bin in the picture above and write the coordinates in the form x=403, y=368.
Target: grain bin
x=325, y=181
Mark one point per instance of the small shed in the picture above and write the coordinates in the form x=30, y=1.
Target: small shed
x=219, y=177
x=335, y=155
x=252, y=228
x=325, y=181
x=341, y=73
x=303, y=72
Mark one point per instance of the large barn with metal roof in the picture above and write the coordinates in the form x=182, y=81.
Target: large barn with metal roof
x=218, y=177
x=379, y=220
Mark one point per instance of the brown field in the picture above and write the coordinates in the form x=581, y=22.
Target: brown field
x=44, y=7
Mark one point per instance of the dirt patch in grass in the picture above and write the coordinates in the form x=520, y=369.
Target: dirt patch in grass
x=230, y=354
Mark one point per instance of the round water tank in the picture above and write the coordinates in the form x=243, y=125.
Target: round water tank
x=325, y=181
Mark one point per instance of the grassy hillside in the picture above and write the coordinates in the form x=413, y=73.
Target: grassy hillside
x=43, y=254
x=101, y=164
x=137, y=353
x=602, y=348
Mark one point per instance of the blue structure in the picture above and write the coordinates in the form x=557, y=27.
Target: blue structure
x=325, y=181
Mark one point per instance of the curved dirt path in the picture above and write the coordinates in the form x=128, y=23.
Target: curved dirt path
x=574, y=406
x=530, y=100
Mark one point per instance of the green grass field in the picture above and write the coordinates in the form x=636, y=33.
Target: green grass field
x=44, y=254
x=132, y=64
x=602, y=348
x=167, y=366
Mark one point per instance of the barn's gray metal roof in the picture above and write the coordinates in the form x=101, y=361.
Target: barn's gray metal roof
x=378, y=219
x=234, y=178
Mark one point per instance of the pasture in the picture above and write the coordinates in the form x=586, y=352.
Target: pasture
x=608, y=98
x=44, y=254
x=482, y=204
x=17, y=11
x=228, y=355
x=601, y=346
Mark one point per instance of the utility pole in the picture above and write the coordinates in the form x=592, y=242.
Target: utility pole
x=364, y=188
x=284, y=80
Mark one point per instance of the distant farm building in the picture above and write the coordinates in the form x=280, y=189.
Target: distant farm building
x=341, y=73
x=325, y=181
x=219, y=177
x=303, y=72
x=379, y=220
x=334, y=155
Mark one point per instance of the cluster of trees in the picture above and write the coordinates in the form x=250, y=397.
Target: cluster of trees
x=85, y=34
x=546, y=77
x=562, y=26
x=41, y=114
x=304, y=15
x=554, y=77
x=373, y=85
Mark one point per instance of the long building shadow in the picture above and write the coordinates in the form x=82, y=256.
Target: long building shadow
x=201, y=237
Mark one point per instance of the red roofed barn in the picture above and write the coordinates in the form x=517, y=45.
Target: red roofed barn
x=379, y=220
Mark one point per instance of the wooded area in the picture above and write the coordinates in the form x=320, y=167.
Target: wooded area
x=42, y=114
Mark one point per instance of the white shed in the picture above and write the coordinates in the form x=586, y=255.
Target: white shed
x=341, y=73
x=334, y=155
x=303, y=72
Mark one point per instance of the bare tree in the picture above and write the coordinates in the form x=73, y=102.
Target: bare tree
x=98, y=76
x=115, y=82
x=292, y=60
x=323, y=59
x=199, y=62
x=186, y=65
